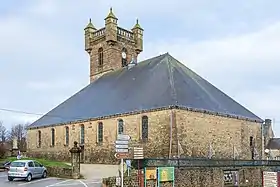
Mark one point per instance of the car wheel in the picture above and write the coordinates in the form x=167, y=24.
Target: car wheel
x=44, y=174
x=10, y=178
x=29, y=178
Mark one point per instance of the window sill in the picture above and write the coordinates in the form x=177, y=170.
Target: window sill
x=99, y=143
x=144, y=141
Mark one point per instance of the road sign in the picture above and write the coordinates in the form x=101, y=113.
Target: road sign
x=138, y=153
x=123, y=137
x=121, y=146
x=122, y=150
x=128, y=163
x=122, y=142
x=118, y=181
x=121, y=155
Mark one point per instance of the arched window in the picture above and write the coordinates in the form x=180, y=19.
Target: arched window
x=82, y=137
x=145, y=128
x=120, y=126
x=66, y=135
x=100, y=57
x=100, y=132
x=39, y=138
x=53, y=137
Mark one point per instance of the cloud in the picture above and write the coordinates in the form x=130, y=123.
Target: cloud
x=246, y=67
x=234, y=45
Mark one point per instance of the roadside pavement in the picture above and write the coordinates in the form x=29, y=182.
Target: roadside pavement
x=49, y=182
x=99, y=171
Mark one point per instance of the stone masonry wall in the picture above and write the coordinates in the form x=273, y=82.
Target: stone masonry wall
x=59, y=172
x=198, y=177
x=103, y=153
x=112, y=59
x=194, y=131
x=197, y=130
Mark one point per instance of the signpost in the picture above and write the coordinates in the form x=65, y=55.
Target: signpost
x=122, y=152
x=138, y=154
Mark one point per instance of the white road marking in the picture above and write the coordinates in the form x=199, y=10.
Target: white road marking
x=32, y=182
x=69, y=184
x=83, y=183
x=74, y=183
x=58, y=183
x=96, y=179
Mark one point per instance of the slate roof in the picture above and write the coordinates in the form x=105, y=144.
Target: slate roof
x=274, y=143
x=161, y=81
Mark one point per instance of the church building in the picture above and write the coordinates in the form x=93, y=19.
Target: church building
x=164, y=106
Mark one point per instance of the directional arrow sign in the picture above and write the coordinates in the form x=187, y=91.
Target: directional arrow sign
x=122, y=142
x=119, y=146
x=123, y=137
x=121, y=155
x=122, y=150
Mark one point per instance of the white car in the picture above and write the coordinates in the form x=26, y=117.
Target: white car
x=26, y=169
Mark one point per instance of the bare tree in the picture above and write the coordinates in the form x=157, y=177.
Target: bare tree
x=2, y=150
x=19, y=132
x=3, y=132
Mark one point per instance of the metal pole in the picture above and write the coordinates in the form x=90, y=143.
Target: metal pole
x=122, y=172
x=138, y=172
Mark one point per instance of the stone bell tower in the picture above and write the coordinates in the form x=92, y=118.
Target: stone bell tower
x=111, y=47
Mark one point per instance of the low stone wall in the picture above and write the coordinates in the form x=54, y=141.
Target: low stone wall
x=198, y=177
x=131, y=181
x=59, y=172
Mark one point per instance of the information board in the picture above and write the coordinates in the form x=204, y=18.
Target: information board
x=165, y=174
x=270, y=179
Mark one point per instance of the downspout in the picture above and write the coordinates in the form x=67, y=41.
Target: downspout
x=178, y=143
x=170, y=134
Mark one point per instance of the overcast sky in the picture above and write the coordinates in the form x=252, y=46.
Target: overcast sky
x=233, y=44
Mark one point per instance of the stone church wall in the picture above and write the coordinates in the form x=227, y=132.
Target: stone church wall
x=197, y=130
x=157, y=145
x=193, y=130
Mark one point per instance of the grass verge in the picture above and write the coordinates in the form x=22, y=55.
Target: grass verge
x=47, y=163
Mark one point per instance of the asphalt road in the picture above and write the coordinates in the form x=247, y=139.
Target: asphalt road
x=49, y=182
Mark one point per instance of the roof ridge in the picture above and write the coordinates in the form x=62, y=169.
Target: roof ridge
x=173, y=93
x=182, y=66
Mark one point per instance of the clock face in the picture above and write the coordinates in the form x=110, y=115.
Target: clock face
x=123, y=55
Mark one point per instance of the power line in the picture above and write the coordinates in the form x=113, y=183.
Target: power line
x=38, y=114
x=18, y=111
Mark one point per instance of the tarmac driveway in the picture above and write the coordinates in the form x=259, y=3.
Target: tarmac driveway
x=49, y=182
